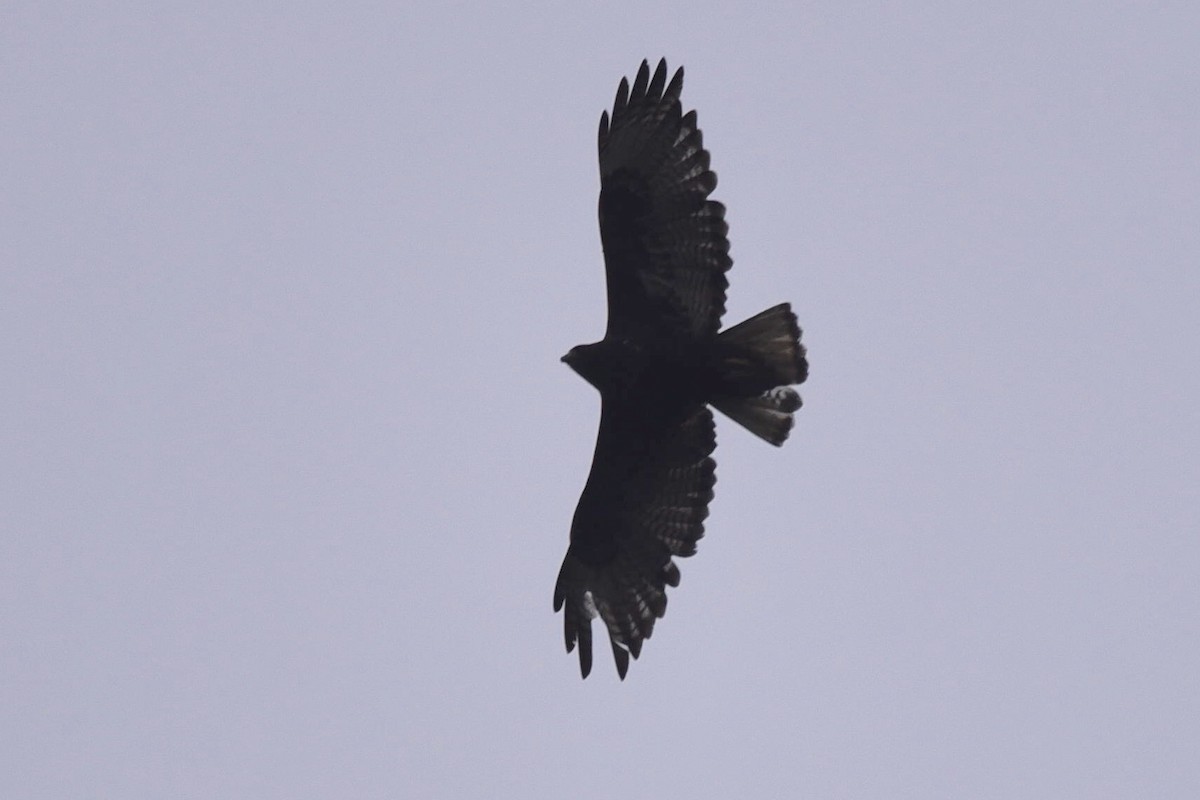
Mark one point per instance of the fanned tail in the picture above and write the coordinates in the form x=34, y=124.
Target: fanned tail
x=758, y=362
x=768, y=416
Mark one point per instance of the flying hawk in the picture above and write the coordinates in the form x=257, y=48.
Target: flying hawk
x=662, y=362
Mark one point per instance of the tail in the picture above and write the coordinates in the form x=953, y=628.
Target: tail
x=758, y=362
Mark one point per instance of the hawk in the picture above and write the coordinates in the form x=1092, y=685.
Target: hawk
x=662, y=362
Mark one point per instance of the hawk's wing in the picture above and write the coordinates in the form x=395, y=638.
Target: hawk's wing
x=645, y=501
x=665, y=249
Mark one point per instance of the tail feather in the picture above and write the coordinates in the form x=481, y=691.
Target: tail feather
x=768, y=416
x=766, y=346
x=759, y=360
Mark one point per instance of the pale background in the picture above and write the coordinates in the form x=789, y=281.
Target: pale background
x=289, y=459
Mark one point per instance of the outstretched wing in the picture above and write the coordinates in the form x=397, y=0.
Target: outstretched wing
x=645, y=501
x=665, y=245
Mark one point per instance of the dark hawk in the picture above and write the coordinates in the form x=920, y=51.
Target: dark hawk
x=662, y=362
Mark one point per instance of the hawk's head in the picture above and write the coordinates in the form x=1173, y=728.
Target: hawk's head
x=592, y=362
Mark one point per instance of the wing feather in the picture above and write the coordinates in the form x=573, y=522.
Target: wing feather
x=645, y=502
x=665, y=243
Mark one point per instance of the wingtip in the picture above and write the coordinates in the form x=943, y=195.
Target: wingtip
x=641, y=80
x=621, y=656
x=675, y=87
x=585, y=655
x=622, y=98
x=659, y=80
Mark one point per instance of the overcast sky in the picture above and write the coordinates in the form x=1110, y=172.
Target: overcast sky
x=288, y=459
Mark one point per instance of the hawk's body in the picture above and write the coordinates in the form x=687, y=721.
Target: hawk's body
x=660, y=365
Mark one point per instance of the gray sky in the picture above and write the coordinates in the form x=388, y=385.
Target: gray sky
x=289, y=459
